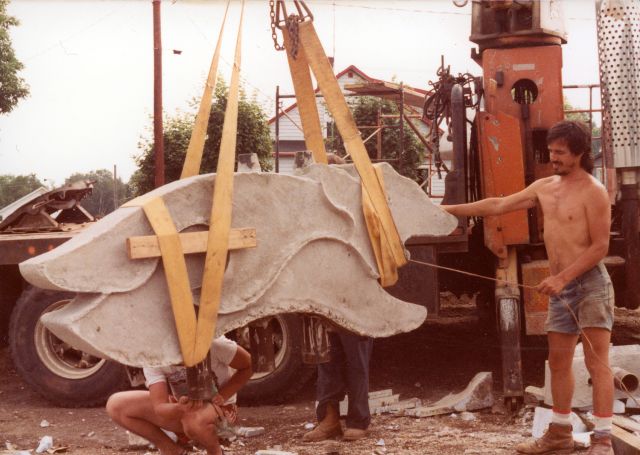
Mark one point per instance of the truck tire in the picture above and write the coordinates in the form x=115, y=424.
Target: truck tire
x=66, y=376
x=290, y=374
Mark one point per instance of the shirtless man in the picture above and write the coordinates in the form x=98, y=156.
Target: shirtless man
x=577, y=219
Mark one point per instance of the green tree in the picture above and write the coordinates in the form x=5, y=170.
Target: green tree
x=596, y=130
x=253, y=137
x=102, y=199
x=365, y=113
x=13, y=187
x=12, y=87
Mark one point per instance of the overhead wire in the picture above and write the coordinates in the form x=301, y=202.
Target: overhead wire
x=59, y=43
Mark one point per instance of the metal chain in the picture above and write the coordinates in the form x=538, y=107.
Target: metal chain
x=272, y=14
x=292, y=28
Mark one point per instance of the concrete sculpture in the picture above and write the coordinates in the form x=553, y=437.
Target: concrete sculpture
x=313, y=256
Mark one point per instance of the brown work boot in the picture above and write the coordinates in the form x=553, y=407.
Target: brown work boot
x=557, y=440
x=328, y=428
x=600, y=446
x=353, y=434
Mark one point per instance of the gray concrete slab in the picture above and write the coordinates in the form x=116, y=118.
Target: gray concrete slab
x=313, y=256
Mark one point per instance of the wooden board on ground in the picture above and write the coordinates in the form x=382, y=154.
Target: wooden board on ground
x=624, y=443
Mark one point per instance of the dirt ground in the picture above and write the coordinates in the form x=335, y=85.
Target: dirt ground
x=440, y=357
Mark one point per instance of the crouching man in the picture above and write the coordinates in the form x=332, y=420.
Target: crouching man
x=146, y=413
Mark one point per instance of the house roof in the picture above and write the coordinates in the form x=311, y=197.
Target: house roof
x=376, y=87
x=350, y=68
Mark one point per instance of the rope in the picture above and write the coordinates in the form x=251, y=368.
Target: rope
x=526, y=286
x=463, y=272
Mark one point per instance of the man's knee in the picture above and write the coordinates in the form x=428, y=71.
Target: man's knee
x=560, y=362
x=115, y=405
x=199, y=428
x=598, y=368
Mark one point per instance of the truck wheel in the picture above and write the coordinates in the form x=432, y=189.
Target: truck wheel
x=64, y=375
x=290, y=374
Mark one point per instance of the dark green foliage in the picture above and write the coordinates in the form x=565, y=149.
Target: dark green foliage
x=365, y=113
x=13, y=187
x=253, y=137
x=12, y=87
x=101, y=200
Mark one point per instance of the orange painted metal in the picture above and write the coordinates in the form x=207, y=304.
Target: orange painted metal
x=502, y=174
x=543, y=66
x=538, y=68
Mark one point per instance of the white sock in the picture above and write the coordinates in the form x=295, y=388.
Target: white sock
x=603, y=425
x=561, y=418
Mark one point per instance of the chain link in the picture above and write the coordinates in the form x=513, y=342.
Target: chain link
x=292, y=28
x=272, y=14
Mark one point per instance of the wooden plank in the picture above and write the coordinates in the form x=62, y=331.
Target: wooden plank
x=147, y=246
x=175, y=270
x=337, y=104
x=193, y=157
x=624, y=443
x=626, y=423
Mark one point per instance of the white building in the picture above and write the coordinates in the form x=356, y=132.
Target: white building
x=352, y=80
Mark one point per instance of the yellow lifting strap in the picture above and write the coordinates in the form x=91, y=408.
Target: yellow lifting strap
x=195, y=333
x=193, y=158
x=220, y=223
x=387, y=266
x=385, y=240
x=175, y=270
x=306, y=100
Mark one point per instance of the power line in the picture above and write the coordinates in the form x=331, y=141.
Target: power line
x=73, y=35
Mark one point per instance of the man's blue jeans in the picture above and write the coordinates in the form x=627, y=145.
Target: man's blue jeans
x=346, y=372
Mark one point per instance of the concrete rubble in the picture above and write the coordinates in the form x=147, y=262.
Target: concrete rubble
x=477, y=395
x=249, y=432
x=626, y=357
x=313, y=255
x=377, y=399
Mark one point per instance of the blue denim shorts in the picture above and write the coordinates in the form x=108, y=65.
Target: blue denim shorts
x=590, y=297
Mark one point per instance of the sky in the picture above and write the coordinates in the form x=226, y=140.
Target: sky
x=89, y=66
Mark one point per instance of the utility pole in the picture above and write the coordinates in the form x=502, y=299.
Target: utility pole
x=158, y=136
x=115, y=189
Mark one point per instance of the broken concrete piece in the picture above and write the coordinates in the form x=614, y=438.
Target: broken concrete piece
x=46, y=442
x=136, y=441
x=248, y=162
x=467, y=416
x=537, y=392
x=313, y=256
x=626, y=357
x=249, y=432
x=399, y=406
x=477, y=395
x=373, y=403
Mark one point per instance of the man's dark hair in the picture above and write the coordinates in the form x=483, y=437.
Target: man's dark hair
x=577, y=137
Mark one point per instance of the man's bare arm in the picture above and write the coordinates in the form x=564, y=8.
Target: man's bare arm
x=159, y=395
x=524, y=199
x=598, y=211
x=241, y=362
